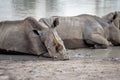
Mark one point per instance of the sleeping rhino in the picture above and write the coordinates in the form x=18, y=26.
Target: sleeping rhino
x=30, y=37
x=84, y=30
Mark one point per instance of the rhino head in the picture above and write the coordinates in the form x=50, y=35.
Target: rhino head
x=113, y=18
x=52, y=41
x=114, y=35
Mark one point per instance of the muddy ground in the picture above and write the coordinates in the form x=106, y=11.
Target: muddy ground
x=84, y=64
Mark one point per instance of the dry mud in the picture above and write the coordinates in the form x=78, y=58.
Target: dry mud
x=84, y=64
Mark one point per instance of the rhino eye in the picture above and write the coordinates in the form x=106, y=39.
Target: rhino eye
x=36, y=32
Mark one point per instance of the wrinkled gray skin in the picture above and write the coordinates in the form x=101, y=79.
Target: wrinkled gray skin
x=83, y=30
x=31, y=37
x=113, y=19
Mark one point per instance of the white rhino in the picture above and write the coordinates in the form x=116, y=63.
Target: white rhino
x=30, y=37
x=83, y=30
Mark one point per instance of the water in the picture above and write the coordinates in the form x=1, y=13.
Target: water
x=20, y=9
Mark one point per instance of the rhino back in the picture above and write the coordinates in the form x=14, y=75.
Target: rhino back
x=75, y=30
x=14, y=36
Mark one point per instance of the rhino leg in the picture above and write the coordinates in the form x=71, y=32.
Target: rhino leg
x=99, y=41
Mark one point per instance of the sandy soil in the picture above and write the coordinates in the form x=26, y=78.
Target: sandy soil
x=74, y=69
x=60, y=70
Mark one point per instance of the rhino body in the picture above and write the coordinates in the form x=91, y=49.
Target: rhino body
x=30, y=37
x=83, y=31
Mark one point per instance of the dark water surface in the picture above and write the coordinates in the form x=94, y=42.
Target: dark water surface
x=20, y=9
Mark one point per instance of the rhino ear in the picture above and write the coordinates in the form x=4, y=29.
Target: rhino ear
x=55, y=23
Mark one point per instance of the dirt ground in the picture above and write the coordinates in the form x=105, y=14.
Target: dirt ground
x=60, y=70
x=73, y=69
